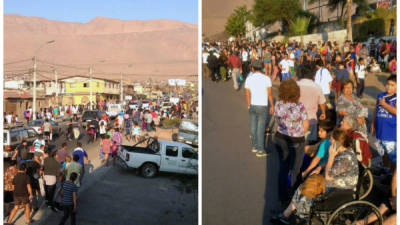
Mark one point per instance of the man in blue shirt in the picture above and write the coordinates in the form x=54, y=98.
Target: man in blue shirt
x=384, y=122
x=82, y=158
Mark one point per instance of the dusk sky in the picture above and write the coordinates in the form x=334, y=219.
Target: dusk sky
x=84, y=11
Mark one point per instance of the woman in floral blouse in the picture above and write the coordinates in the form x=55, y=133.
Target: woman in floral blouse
x=349, y=105
x=292, y=123
x=9, y=175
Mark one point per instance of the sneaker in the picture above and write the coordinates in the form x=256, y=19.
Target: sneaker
x=261, y=154
x=254, y=150
x=281, y=218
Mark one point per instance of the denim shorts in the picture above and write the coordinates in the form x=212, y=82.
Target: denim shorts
x=386, y=146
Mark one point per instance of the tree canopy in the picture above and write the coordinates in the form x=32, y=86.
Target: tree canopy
x=236, y=24
x=269, y=11
x=341, y=4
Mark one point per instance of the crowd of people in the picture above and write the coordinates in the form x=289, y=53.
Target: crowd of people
x=321, y=126
x=36, y=171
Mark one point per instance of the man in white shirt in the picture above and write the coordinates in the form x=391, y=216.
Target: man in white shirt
x=360, y=77
x=284, y=65
x=258, y=89
x=9, y=118
x=323, y=78
x=245, y=61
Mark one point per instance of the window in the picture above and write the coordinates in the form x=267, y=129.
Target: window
x=189, y=153
x=14, y=136
x=23, y=134
x=85, y=85
x=172, y=151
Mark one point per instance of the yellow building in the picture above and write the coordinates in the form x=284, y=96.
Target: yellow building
x=77, y=90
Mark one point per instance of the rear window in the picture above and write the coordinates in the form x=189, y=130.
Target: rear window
x=187, y=125
x=89, y=114
x=35, y=123
x=14, y=136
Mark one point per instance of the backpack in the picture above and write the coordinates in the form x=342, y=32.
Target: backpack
x=361, y=147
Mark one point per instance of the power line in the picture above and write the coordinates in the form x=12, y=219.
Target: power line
x=14, y=62
x=61, y=65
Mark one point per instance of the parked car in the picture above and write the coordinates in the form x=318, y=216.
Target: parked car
x=145, y=104
x=133, y=105
x=166, y=105
x=13, y=136
x=187, y=133
x=90, y=115
x=37, y=126
x=113, y=110
x=159, y=155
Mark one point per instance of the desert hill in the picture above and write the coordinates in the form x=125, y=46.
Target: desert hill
x=141, y=48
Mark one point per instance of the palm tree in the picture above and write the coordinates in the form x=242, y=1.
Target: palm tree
x=349, y=28
x=299, y=26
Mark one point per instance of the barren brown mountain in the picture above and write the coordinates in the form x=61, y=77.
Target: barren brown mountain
x=216, y=13
x=156, y=48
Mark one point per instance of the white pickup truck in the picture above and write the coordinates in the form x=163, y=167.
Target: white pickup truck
x=159, y=155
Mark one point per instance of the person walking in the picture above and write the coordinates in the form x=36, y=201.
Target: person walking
x=22, y=194
x=236, y=64
x=69, y=193
x=323, y=78
x=106, y=148
x=83, y=158
x=74, y=167
x=62, y=153
x=51, y=171
x=9, y=175
x=258, y=89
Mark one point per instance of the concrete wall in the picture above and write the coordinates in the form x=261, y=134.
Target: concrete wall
x=338, y=36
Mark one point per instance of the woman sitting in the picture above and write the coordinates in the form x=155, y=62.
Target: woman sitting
x=341, y=174
x=349, y=105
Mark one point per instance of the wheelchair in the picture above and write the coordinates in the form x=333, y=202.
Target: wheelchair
x=344, y=207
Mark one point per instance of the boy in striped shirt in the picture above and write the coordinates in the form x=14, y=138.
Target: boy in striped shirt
x=69, y=195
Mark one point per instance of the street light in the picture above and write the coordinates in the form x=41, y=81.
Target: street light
x=34, y=76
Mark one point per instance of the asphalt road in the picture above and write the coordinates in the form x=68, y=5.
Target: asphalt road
x=238, y=187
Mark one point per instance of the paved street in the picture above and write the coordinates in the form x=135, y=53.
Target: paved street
x=110, y=195
x=238, y=187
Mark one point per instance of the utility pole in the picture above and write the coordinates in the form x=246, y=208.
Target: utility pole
x=349, y=28
x=56, y=75
x=121, y=99
x=91, y=90
x=34, y=88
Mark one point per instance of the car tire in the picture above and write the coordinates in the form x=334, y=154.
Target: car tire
x=148, y=170
x=175, y=137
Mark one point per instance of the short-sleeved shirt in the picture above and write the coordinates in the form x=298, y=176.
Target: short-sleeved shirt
x=258, y=84
x=106, y=146
x=311, y=96
x=323, y=151
x=62, y=154
x=385, y=123
x=342, y=75
x=21, y=180
x=74, y=167
x=39, y=143
x=360, y=70
x=81, y=153
x=344, y=171
x=289, y=117
x=67, y=192
x=285, y=65
x=323, y=78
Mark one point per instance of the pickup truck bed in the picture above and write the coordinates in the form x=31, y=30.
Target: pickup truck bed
x=136, y=149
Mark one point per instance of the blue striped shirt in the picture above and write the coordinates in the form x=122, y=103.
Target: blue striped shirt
x=68, y=189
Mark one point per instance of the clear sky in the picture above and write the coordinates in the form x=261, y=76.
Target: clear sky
x=85, y=10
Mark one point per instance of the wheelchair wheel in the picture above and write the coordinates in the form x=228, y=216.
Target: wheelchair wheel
x=367, y=181
x=351, y=212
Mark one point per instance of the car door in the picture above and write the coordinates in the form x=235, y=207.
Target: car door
x=189, y=163
x=169, y=160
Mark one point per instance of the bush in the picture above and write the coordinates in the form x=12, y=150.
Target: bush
x=174, y=122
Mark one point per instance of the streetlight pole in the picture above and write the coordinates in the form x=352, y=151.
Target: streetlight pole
x=122, y=91
x=34, y=88
x=91, y=90
x=34, y=78
x=56, y=75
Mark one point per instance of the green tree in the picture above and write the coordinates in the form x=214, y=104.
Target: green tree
x=299, y=26
x=269, y=11
x=236, y=24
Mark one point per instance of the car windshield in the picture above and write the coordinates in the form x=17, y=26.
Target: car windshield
x=189, y=125
x=89, y=114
